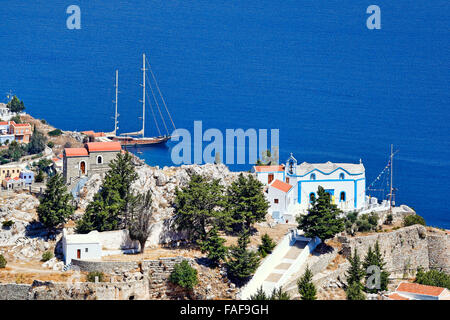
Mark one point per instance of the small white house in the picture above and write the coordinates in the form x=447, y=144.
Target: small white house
x=267, y=174
x=416, y=291
x=280, y=195
x=81, y=246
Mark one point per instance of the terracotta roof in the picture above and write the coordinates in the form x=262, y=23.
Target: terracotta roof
x=20, y=124
x=103, y=146
x=76, y=152
x=420, y=289
x=280, y=185
x=3, y=123
x=269, y=168
x=89, y=132
x=396, y=296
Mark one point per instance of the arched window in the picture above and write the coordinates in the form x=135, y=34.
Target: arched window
x=313, y=176
x=342, y=198
x=312, y=197
x=341, y=176
x=99, y=159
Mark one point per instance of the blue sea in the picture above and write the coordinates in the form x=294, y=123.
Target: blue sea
x=336, y=90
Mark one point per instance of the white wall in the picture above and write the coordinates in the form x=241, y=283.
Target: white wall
x=263, y=177
x=116, y=240
x=94, y=251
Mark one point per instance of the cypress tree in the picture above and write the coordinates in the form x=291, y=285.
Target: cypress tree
x=214, y=246
x=354, y=276
x=259, y=295
x=242, y=263
x=306, y=287
x=267, y=245
x=55, y=207
x=246, y=203
x=322, y=219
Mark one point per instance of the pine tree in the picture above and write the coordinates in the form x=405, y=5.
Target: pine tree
x=37, y=142
x=55, y=207
x=198, y=207
x=15, y=105
x=246, y=203
x=354, y=292
x=379, y=260
x=354, y=276
x=214, y=246
x=306, y=287
x=242, y=263
x=108, y=209
x=356, y=272
x=322, y=219
x=279, y=294
x=259, y=295
x=267, y=245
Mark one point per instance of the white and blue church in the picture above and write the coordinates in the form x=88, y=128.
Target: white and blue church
x=292, y=187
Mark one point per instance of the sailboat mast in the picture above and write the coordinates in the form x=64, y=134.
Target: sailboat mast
x=392, y=167
x=143, y=95
x=117, y=97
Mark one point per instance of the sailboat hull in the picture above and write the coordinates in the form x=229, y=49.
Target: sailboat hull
x=131, y=142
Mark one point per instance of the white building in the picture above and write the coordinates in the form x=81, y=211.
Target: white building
x=5, y=113
x=81, y=246
x=281, y=197
x=345, y=182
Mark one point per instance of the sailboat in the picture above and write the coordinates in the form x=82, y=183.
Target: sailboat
x=138, y=138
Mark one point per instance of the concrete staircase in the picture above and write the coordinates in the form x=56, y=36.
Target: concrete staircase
x=287, y=258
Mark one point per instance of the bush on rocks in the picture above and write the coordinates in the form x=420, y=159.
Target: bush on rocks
x=184, y=275
x=95, y=274
x=3, y=262
x=47, y=255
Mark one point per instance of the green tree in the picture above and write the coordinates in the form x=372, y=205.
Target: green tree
x=214, y=246
x=413, y=219
x=242, y=263
x=354, y=292
x=259, y=295
x=15, y=105
x=267, y=245
x=355, y=274
x=139, y=218
x=37, y=142
x=40, y=176
x=184, y=275
x=279, y=294
x=246, y=203
x=15, y=151
x=433, y=278
x=55, y=207
x=356, y=271
x=108, y=209
x=198, y=207
x=322, y=219
x=306, y=287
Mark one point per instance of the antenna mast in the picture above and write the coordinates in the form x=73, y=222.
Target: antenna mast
x=117, y=99
x=143, y=95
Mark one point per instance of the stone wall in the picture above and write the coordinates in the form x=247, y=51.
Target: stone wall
x=439, y=251
x=405, y=249
x=110, y=267
x=136, y=290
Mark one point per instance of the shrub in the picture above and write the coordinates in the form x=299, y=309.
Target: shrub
x=7, y=223
x=43, y=121
x=184, y=275
x=93, y=274
x=389, y=219
x=267, y=245
x=433, y=278
x=413, y=219
x=50, y=144
x=47, y=255
x=55, y=133
x=3, y=262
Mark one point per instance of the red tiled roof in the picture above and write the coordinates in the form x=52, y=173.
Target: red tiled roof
x=3, y=123
x=75, y=152
x=20, y=124
x=269, y=168
x=280, y=185
x=89, y=132
x=396, y=296
x=103, y=146
x=419, y=289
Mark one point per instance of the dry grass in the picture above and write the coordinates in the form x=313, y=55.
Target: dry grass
x=339, y=259
x=154, y=254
